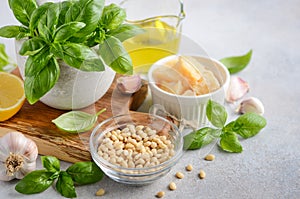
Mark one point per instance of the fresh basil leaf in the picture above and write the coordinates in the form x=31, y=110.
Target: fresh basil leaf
x=35, y=182
x=23, y=10
x=115, y=55
x=229, y=142
x=230, y=127
x=37, y=62
x=126, y=31
x=64, y=7
x=82, y=57
x=113, y=16
x=48, y=21
x=249, y=124
x=17, y=32
x=75, y=121
x=67, y=30
x=86, y=11
x=200, y=138
x=85, y=173
x=65, y=185
x=237, y=63
x=216, y=114
x=32, y=46
x=4, y=59
x=36, y=16
x=57, y=50
x=50, y=163
x=40, y=83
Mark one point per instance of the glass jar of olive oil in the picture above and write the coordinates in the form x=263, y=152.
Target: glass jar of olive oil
x=162, y=22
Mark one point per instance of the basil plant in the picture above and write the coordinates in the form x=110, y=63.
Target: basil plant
x=85, y=34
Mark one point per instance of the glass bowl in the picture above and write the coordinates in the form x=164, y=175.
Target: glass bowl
x=136, y=176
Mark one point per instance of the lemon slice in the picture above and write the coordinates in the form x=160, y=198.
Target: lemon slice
x=12, y=95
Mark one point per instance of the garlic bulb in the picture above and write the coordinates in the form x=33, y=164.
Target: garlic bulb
x=252, y=105
x=237, y=89
x=18, y=156
x=129, y=84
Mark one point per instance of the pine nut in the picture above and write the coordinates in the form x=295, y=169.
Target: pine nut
x=202, y=174
x=210, y=157
x=160, y=194
x=179, y=175
x=172, y=186
x=100, y=192
x=189, y=167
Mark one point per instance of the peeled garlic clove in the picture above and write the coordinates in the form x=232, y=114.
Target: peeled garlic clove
x=17, y=156
x=252, y=105
x=237, y=89
x=129, y=84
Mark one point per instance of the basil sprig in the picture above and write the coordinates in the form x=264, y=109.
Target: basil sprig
x=246, y=126
x=80, y=173
x=68, y=31
x=237, y=63
x=76, y=121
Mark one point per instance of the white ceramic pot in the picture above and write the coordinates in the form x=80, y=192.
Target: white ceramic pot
x=74, y=89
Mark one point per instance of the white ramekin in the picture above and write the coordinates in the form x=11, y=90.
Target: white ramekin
x=190, y=108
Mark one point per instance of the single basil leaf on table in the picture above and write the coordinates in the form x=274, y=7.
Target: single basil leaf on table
x=216, y=114
x=65, y=185
x=249, y=124
x=82, y=57
x=35, y=182
x=237, y=63
x=200, y=138
x=50, y=163
x=67, y=30
x=76, y=121
x=17, y=32
x=229, y=142
x=32, y=46
x=85, y=173
x=86, y=11
x=39, y=84
x=126, y=31
x=115, y=55
x=23, y=10
x=113, y=16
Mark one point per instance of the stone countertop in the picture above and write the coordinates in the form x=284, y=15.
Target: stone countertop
x=269, y=166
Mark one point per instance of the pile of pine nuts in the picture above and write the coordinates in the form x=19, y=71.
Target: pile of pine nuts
x=135, y=147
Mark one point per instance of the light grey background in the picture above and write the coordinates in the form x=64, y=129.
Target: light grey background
x=269, y=166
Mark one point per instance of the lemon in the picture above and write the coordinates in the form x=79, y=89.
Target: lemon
x=12, y=95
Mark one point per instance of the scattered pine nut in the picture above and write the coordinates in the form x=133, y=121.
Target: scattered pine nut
x=160, y=194
x=202, y=174
x=100, y=192
x=172, y=186
x=179, y=175
x=189, y=167
x=210, y=157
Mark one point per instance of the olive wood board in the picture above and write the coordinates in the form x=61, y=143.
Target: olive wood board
x=35, y=122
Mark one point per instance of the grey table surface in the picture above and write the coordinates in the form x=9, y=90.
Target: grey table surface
x=269, y=166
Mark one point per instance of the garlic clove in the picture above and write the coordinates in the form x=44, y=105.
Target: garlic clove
x=129, y=84
x=252, y=105
x=237, y=89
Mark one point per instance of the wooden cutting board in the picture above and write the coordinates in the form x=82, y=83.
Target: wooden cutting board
x=34, y=121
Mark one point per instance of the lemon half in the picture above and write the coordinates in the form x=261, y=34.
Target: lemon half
x=12, y=95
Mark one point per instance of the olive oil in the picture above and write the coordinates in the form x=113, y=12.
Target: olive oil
x=159, y=40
